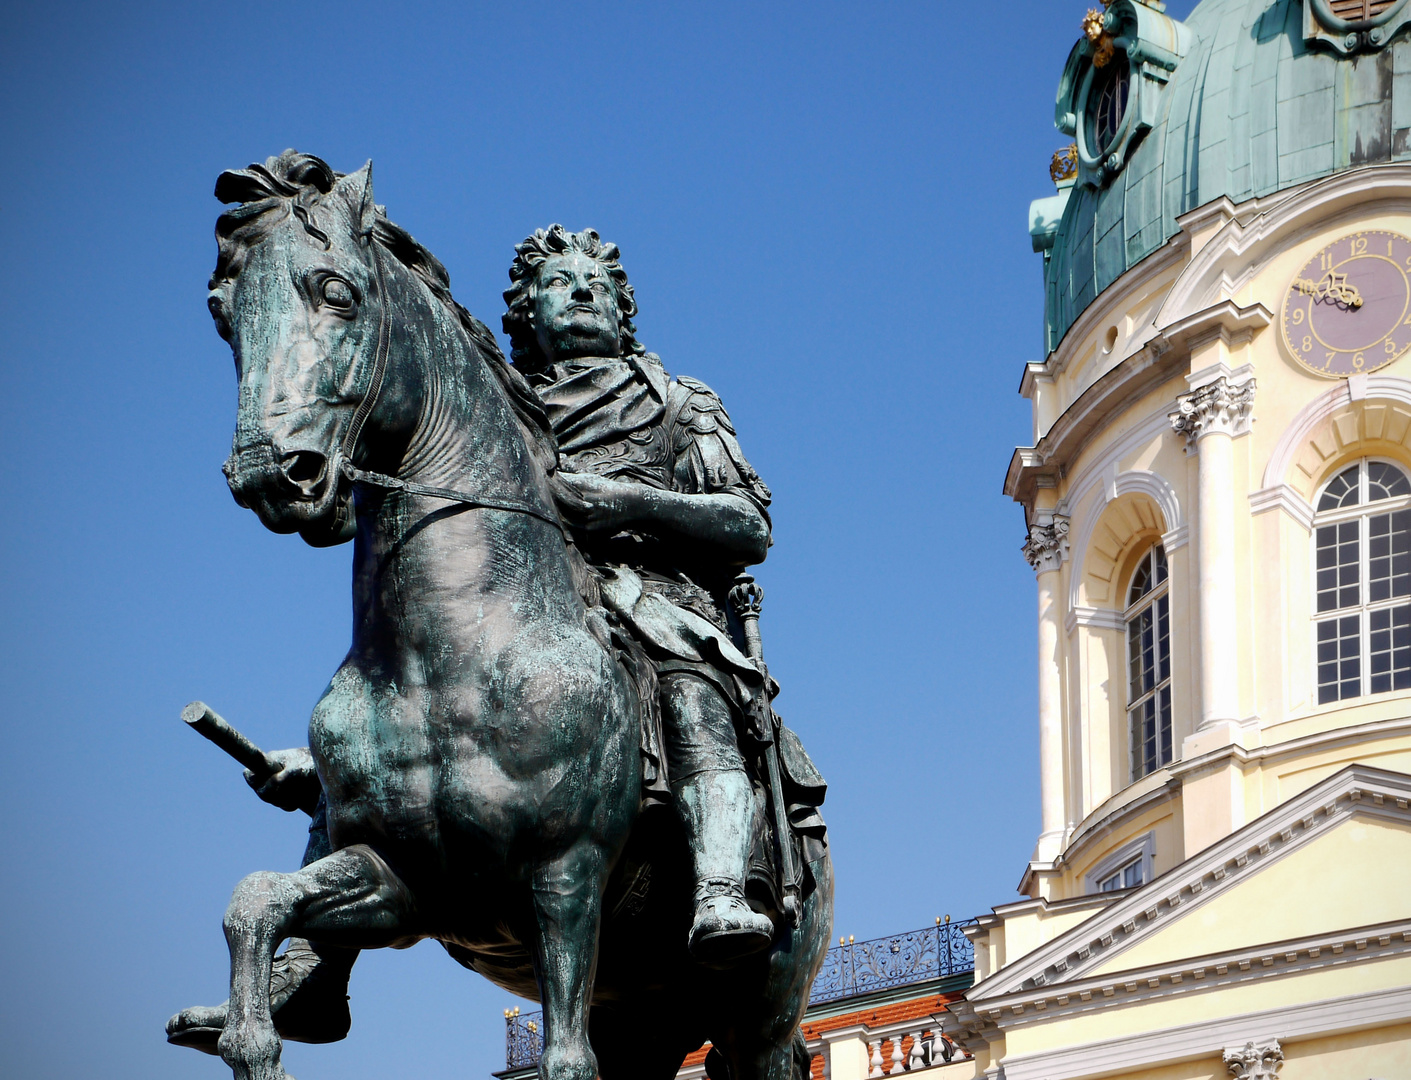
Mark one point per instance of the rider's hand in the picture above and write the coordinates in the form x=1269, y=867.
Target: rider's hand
x=294, y=784
x=597, y=503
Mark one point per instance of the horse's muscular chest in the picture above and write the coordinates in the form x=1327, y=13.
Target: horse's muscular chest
x=516, y=741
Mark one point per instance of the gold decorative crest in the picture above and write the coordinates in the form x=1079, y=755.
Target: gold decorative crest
x=1064, y=165
x=1098, y=36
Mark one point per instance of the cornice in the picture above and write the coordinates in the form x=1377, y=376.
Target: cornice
x=1108, y=818
x=1211, y=971
x=1304, y=744
x=1258, y=226
x=1209, y=1038
x=1117, y=389
x=1216, y=869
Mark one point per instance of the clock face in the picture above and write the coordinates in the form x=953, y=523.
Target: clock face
x=1348, y=311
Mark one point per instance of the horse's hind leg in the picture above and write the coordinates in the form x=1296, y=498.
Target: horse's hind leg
x=567, y=895
x=350, y=898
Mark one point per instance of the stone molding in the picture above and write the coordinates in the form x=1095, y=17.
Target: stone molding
x=1217, y=408
x=1053, y=968
x=1260, y=229
x=1255, y=1060
x=1190, y=1042
x=1285, y=498
x=1047, y=545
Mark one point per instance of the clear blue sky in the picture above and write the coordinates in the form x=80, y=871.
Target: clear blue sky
x=822, y=210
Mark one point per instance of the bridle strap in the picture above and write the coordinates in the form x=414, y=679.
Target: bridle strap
x=393, y=483
x=374, y=391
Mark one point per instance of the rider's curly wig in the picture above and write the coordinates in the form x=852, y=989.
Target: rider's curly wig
x=529, y=255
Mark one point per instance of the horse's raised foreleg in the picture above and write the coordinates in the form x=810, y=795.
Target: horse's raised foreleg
x=567, y=896
x=349, y=898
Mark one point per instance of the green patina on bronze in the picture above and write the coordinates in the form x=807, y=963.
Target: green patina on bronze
x=551, y=745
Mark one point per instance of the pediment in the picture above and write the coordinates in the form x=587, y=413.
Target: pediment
x=1303, y=867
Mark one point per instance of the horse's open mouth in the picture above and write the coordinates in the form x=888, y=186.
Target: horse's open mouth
x=294, y=491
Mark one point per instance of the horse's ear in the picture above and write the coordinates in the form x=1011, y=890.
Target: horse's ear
x=357, y=189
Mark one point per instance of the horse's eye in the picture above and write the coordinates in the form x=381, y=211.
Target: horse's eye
x=337, y=293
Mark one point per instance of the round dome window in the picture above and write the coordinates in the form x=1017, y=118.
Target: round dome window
x=1107, y=104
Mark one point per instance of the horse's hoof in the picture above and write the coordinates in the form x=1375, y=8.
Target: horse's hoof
x=308, y=1002
x=198, y=1027
x=727, y=929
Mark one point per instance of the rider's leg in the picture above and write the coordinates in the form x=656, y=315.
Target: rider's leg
x=716, y=802
x=308, y=982
x=567, y=896
x=351, y=896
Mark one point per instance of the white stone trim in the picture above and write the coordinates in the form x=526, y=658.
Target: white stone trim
x=1219, y=867
x=1097, y=618
x=1144, y=845
x=1311, y=416
x=1189, y=1042
x=1250, y=243
x=1285, y=498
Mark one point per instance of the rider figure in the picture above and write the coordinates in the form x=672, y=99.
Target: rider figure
x=663, y=504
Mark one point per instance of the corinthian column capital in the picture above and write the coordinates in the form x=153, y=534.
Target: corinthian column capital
x=1255, y=1061
x=1047, y=545
x=1219, y=407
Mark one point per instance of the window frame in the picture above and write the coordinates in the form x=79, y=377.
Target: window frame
x=1139, y=849
x=1130, y=613
x=1362, y=512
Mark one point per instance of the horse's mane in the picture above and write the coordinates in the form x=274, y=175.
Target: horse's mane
x=296, y=183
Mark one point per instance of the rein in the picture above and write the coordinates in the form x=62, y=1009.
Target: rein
x=365, y=407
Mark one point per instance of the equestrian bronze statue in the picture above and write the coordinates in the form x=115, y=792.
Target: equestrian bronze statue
x=551, y=745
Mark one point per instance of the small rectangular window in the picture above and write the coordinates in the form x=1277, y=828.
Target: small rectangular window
x=1127, y=877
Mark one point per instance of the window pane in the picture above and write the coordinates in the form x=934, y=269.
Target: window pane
x=1132, y=875
x=1389, y=556
x=1110, y=884
x=1141, y=654
x=1141, y=581
x=1159, y=557
x=1163, y=747
x=1341, y=491
x=1385, y=481
x=1339, y=672
x=1163, y=638
x=1337, y=566
x=1389, y=649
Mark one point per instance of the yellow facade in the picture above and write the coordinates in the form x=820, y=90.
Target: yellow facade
x=1257, y=914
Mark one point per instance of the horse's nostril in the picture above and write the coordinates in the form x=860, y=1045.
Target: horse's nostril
x=304, y=468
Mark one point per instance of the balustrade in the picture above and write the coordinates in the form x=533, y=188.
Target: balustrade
x=850, y=969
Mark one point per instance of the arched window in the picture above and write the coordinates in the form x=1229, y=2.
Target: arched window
x=1362, y=533
x=1149, y=664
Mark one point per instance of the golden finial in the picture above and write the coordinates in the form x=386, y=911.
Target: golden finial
x=1064, y=165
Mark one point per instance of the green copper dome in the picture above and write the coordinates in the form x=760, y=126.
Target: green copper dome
x=1243, y=98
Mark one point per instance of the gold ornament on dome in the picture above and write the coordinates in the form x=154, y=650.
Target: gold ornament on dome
x=1064, y=165
x=1097, y=35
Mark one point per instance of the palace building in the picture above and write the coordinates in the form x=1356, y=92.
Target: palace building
x=1218, y=504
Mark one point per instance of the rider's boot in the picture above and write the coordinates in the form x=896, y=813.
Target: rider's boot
x=717, y=809
x=308, y=989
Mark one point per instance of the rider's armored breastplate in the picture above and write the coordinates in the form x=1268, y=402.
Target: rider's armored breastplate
x=642, y=456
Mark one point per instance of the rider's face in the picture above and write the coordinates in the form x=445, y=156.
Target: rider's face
x=575, y=308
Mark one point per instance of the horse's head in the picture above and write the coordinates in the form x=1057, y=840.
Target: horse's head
x=298, y=294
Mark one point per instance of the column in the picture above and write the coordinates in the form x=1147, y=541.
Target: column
x=1211, y=417
x=1044, y=550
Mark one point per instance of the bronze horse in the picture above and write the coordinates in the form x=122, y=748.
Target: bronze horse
x=479, y=746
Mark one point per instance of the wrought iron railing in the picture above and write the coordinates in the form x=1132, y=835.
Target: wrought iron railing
x=850, y=969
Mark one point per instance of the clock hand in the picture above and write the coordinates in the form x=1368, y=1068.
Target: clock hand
x=1332, y=286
